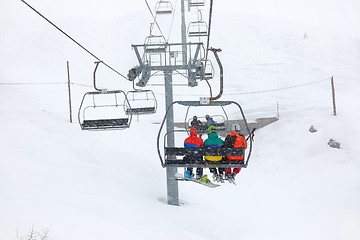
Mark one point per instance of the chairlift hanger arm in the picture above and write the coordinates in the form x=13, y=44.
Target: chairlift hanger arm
x=215, y=51
x=94, y=75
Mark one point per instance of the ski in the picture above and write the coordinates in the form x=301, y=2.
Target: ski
x=180, y=177
x=232, y=181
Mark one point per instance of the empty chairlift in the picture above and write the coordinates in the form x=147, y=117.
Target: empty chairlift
x=197, y=29
x=163, y=7
x=142, y=102
x=104, y=110
x=155, y=44
x=196, y=3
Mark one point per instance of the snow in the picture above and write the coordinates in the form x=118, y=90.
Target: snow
x=110, y=185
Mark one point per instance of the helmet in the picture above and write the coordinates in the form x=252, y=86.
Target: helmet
x=235, y=127
x=207, y=116
x=195, y=117
x=211, y=129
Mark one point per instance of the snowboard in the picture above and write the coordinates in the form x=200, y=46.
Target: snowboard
x=180, y=177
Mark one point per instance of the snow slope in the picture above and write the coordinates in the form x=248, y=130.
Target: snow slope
x=110, y=185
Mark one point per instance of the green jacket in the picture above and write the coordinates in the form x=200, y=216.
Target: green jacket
x=213, y=141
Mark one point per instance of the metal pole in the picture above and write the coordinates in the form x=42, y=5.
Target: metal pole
x=69, y=90
x=183, y=33
x=172, y=184
x=333, y=95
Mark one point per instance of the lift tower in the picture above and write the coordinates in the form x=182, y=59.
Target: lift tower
x=184, y=58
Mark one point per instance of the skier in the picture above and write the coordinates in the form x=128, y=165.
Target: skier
x=213, y=141
x=196, y=123
x=193, y=141
x=209, y=121
x=234, y=140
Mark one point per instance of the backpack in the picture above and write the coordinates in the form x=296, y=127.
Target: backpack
x=229, y=141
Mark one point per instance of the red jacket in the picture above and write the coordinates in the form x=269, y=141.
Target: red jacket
x=193, y=141
x=235, y=140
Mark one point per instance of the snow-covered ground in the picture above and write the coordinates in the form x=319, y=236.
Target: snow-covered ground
x=110, y=185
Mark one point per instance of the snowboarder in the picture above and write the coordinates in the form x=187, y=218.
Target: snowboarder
x=196, y=123
x=213, y=141
x=234, y=140
x=193, y=141
x=209, y=121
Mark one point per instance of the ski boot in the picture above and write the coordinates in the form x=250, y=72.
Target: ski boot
x=187, y=174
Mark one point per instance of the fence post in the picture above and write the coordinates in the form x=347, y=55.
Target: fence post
x=69, y=90
x=333, y=95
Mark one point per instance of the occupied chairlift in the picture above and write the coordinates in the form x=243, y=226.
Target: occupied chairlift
x=173, y=156
x=163, y=7
x=104, y=109
x=222, y=122
x=206, y=71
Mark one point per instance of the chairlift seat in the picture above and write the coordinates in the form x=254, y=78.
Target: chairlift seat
x=139, y=111
x=105, y=124
x=197, y=33
x=197, y=3
x=171, y=159
x=155, y=49
x=205, y=75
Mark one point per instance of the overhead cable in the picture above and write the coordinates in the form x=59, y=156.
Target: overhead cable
x=73, y=39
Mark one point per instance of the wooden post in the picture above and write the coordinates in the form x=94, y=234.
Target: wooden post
x=333, y=95
x=69, y=90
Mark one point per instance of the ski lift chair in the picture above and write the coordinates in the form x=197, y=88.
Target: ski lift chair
x=222, y=123
x=196, y=3
x=142, y=102
x=154, y=44
x=104, y=110
x=207, y=71
x=171, y=156
x=197, y=29
x=163, y=7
